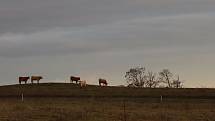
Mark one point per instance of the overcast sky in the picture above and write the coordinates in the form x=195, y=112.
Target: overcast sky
x=104, y=38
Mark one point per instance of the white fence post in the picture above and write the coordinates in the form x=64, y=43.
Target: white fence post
x=161, y=99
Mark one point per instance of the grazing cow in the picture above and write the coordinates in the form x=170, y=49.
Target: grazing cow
x=36, y=78
x=103, y=81
x=23, y=79
x=73, y=78
x=83, y=83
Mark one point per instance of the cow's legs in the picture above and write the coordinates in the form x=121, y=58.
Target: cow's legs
x=37, y=81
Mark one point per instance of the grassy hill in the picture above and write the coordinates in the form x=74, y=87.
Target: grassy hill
x=69, y=102
x=74, y=90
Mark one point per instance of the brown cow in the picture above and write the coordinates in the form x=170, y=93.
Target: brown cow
x=36, y=78
x=103, y=81
x=23, y=79
x=73, y=78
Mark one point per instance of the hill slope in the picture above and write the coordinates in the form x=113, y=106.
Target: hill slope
x=73, y=90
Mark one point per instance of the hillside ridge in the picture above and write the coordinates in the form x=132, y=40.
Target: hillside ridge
x=74, y=90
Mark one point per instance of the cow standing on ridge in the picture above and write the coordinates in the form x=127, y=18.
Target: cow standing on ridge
x=83, y=83
x=73, y=78
x=23, y=79
x=103, y=81
x=36, y=78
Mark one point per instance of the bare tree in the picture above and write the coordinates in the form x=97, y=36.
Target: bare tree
x=139, y=77
x=177, y=83
x=136, y=76
x=166, y=77
x=151, y=80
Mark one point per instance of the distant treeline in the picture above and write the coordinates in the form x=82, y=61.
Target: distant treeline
x=140, y=77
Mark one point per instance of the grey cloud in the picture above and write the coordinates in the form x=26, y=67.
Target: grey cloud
x=20, y=16
x=181, y=31
x=30, y=15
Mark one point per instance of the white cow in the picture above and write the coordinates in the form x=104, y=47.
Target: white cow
x=83, y=83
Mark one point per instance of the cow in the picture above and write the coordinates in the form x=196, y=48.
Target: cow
x=36, y=78
x=75, y=79
x=83, y=83
x=103, y=81
x=23, y=79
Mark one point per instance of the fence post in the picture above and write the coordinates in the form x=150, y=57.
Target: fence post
x=22, y=97
x=124, y=110
x=161, y=99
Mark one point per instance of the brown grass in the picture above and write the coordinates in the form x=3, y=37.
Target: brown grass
x=67, y=102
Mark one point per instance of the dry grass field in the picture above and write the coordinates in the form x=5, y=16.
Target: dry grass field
x=69, y=102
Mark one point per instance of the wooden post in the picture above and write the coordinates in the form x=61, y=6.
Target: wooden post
x=161, y=99
x=22, y=97
x=124, y=113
